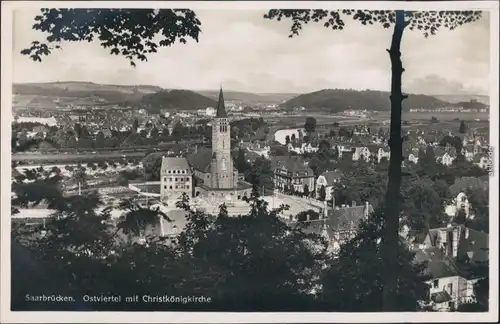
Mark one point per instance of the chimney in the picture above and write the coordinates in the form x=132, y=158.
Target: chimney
x=308, y=217
x=353, y=204
x=367, y=209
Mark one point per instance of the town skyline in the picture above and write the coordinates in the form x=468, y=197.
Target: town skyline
x=262, y=53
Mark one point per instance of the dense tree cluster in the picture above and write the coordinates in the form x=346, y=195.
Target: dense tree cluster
x=265, y=263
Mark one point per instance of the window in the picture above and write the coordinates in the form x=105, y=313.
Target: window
x=187, y=187
x=170, y=187
x=183, y=171
x=176, y=187
x=187, y=179
x=170, y=179
x=450, y=288
x=435, y=283
x=169, y=171
x=164, y=178
x=164, y=187
x=176, y=179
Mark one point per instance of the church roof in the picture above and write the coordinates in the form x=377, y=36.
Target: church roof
x=201, y=160
x=221, y=108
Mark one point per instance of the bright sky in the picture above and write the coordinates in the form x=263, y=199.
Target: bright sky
x=242, y=51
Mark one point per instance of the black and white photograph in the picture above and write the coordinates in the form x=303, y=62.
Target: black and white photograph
x=249, y=161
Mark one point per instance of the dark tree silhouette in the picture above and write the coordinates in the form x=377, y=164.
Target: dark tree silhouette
x=322, y=193
x=310, y=125
x=306, y=190
x=427, y=22
x=463, y=128
x=132, y=33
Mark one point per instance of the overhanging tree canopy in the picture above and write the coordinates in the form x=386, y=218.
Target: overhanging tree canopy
x=132, y=33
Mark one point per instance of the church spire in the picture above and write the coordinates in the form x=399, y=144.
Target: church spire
x=221, y=109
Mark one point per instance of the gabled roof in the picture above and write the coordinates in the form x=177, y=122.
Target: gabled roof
x=471, y=243
x=174, y=163
x=438, y=266
x=201, y=160
x=332, y=176
x=441, y=297
x=346, y=218
x=294, y=164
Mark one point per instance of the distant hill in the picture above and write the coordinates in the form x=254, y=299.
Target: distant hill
x=471, y=105
x=249, y=98
x=173, y=99
x=338, y=100
x=110, y=93
x=464, y=98
x=86, y=86
x=152, y=98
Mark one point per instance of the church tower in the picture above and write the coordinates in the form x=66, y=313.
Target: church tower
x=222, y=162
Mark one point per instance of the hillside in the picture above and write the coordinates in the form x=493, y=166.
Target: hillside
x=175, y=100
x=80, y=93
x=463, y=98
x=249, y=98
x=79, y=87
x=338, y=100
x=153, y=98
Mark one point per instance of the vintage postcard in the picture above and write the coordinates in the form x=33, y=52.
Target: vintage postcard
x=249, y=161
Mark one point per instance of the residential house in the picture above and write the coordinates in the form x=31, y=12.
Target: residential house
x=468, y=152
x=361, y=153
x=339, y=225
x=343, y=221
x=460, y=202
x=327, y=179
x=383, y=152
x=482, y=161
x=453, y=255
x=412, y=155
x=308, y=148
x=292, y=172
x=445, y=155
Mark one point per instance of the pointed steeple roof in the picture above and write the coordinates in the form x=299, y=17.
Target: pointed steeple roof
x=221, y=108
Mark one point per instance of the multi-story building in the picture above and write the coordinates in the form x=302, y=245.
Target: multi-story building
x=327, y=179
x=292, y=173
x=176, y=178
x=453, y=255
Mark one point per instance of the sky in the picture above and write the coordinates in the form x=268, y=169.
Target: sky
x=241, y=51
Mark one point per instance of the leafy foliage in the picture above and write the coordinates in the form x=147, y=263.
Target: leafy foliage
x=242, y=263
x=358, y=268
x=127, y=32
x=427, y=22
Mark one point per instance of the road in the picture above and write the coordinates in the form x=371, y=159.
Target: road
x=24, y=157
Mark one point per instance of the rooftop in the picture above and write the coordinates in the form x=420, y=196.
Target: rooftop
x=174, y=163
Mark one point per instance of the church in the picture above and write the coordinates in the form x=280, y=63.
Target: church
x=209, y=171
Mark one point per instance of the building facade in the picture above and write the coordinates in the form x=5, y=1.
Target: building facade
x=292, y=174
x=176, y=178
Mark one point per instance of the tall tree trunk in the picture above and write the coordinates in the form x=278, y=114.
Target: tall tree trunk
x=391, y=236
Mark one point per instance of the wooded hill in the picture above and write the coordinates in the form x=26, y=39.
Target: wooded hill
x=338, y=100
